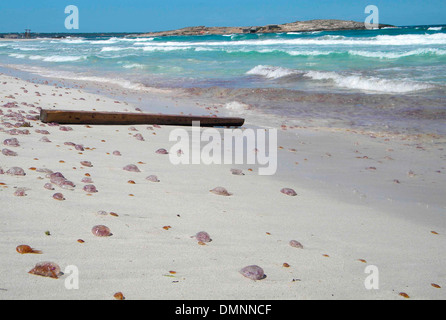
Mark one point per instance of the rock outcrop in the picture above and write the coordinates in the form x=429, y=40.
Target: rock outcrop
x=298, y=26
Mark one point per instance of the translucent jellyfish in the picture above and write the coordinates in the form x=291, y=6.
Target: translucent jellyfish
x=152, y=178
x=161, y=151
x=296, y=244
x=87, y=180
x=86, y=164
x=47, y=269
x=220, y=191
x=101, y=231
x=237, y=172
x=253, y=272
x=20, y=192
x=288, y=192
x=139, y=137
x=13, y=142
x=131, y=168
x=9, y=153
x=48, y=186
x=90, y=188
x=58, y=196
x=16, y=171
x=203, y=236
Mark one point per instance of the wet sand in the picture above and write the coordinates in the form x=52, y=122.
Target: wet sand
x=363, y=199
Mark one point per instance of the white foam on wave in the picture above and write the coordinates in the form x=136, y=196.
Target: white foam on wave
x=49, y=58
x=271, y=72
x=133, y=66
x=112, y=49
x=369, y=84
x=236, y=106
x=435, y=28
x=397, y=55
x=348, y=81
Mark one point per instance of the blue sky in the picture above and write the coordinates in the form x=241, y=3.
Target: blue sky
x=149, y=15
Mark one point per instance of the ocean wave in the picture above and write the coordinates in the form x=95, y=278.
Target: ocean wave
x=111, y=49
x=397, y=55
x=348, y=81
x=271, y=72
x=133, y=66
x=28, y=49
x=370, y=84
x=49, y=58
x=380, y=40
x=435, y=28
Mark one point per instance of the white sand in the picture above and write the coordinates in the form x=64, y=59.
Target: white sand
x=343, y=212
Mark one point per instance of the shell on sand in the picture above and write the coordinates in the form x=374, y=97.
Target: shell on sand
x=24, y=248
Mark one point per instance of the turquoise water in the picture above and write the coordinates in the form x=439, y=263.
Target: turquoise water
x=406, y=65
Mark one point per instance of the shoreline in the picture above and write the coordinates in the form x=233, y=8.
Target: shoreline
x=348, y=210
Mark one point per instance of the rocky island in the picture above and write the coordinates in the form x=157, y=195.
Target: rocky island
x=298, y=26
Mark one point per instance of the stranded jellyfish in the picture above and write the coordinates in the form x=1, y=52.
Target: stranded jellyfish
x=58, y=196
x=13, y=142
x=161, y=151
x=90, y=188
x=131, y=168
x=86, y=164
x=9, y=153
x=152, y=178
x=16, y=171
x=101, y=231
x=237, y=172
x=288, y=192
x=48, y=186
x=220, y=191
x=253, y=272
x=46, y=269
x=296, y=244
x=139, y=137
x=20, y=192
x=203, y=236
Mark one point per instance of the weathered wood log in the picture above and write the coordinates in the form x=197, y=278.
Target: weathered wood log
x=127, y=118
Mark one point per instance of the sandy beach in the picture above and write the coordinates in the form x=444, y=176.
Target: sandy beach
x=364, y=199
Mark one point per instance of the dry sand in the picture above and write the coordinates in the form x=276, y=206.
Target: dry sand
x=362, y=200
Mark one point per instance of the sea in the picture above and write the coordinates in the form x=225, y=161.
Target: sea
x=390, y=79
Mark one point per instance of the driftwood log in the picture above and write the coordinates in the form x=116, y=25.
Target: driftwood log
x=127, y=118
